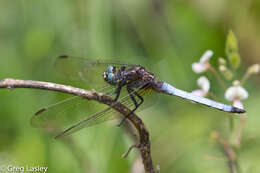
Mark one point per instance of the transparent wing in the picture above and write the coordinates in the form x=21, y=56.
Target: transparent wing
x=86, y=70
x=55, y=117
x=79, y=112
x=102, y=116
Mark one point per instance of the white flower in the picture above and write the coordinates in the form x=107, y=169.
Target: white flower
x=204, y=86
x=198, y=93
x=206, y=56
x=236, y=92
x=198, y=67
x=201, y=66
x=238, y=104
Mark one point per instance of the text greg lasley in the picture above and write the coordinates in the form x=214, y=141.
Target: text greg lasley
x=27, y=168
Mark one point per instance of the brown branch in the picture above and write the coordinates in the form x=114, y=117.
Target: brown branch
x=144, y=145
x=228, y=150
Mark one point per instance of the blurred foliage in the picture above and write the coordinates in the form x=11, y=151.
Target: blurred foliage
x=170, y=35
x=232, y=50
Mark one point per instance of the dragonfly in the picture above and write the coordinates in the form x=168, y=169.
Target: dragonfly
x=136, y=81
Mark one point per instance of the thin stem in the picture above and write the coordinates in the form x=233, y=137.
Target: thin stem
x=245, y=77
x=231, y=123
x=214, y=71
x=222, y=83
x=239, y=131
x=212, y=95
x=229, y=152
x=238, y=169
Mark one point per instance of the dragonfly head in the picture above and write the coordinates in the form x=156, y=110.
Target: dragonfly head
x=109, y=75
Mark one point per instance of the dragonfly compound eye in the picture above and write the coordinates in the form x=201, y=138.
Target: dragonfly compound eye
x=111, y=78
x=110, y=69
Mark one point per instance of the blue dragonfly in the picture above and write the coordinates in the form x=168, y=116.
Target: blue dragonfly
x=135, y=80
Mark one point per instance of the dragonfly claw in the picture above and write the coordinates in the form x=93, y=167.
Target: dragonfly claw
x=130, y=149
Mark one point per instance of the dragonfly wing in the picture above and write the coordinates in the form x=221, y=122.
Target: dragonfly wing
x=55, y=117
x=107, y=114
x=99, y=117
x=84, y=69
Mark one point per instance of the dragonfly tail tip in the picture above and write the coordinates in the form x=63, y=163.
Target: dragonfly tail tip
x=237, y=110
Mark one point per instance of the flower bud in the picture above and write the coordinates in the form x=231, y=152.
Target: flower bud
x=222, y=68
x=226, y=72
x=254, y=69
x=236, y=83
x=222, y=61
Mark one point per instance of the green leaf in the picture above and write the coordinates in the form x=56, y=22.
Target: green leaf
x=232, y=50
x=234, y=59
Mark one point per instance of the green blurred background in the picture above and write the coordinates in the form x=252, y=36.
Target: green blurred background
x=170, y=35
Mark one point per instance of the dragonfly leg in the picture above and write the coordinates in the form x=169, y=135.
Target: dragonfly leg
x=131, y=92
x=140, y=97
x=130, y=149
x=136, y=94
x=117, y=92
